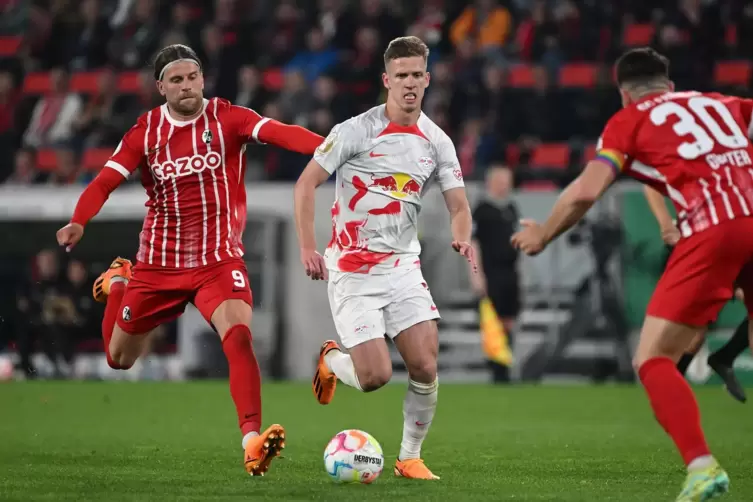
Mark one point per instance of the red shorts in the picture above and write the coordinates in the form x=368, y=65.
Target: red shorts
x=702, y=272
x=157, y=295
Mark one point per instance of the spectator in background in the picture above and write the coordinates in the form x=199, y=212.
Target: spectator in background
x=281, y=38
x=295, y=99
x=67, y=171
x=251, y=93
x=316, y=59
x=99, y=124
x=495, y=219
x=327, y=96
x=364, y=70
x=336, y=23
x=88, y=39
x=486, y=25
x=38, y=304
x=79, y=315
x=541, y=120
x=9, y=98
x=54, y=115
x=138, y=38
x=25, y=170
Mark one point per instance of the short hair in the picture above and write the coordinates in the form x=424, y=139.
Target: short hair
x=171, y=54
x=406, y=47
x=641, y=65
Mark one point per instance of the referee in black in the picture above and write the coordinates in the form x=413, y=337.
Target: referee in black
x=495, y=219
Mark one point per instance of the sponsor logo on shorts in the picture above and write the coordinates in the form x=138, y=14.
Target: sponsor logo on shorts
x=126, y=313
x=365, y=459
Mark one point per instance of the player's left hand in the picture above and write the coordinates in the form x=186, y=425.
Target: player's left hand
x=531, y=239
x=465, y=249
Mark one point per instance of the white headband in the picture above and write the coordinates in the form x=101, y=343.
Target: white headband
x=168, y=65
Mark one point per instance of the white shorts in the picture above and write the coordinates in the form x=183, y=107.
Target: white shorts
x=365, y=307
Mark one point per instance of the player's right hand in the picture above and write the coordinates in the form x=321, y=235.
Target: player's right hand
x=670, y=235
x=313, y=262
x=69, y=235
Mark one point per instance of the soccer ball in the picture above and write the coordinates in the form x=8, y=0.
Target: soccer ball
x=353, y=456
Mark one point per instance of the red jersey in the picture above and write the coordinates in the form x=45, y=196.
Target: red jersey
x=193, y=172
x=693, y=147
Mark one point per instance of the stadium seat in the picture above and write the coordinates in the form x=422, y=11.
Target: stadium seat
x=732, y=73
x=520, y=76
x=85, y=82
x=95, y=158
x=512, y=155
x=129, y=82
x=578, y=75
x=273, y=79
x=638, y=34
x=730, y=36
x=47, y=160
x=36, y=83
x=9, y=46
x=538, y=186
x=551, y=155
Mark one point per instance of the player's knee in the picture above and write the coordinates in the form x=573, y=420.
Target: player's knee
x=424, y=370
x=374, y=378
x=119, y=361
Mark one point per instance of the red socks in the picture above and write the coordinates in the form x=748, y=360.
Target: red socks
x=112, y=310
x=245, y=378
x=674, y=406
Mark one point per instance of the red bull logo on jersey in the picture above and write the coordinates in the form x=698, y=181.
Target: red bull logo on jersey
x=398, y=185
x=185, y=166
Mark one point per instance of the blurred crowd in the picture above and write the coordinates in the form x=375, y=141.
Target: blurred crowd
x=318, y=62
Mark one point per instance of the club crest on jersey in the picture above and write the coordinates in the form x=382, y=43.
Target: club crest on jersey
x=206, y=137
x=126, y=313
x=426, y=163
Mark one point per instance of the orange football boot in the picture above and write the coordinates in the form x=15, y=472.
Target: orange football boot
x=261, y=450
x=413, y=468
x=324, y=381
x=120, y=267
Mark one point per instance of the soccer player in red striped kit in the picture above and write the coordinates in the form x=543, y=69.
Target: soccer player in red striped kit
x=694, y=148
x=190, y=153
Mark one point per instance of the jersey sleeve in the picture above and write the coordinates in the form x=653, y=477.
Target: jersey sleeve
x=449, y=174
x=130, y=151
x=338, y=147
x=746, y=108
x=249, y=123
x=614, y=147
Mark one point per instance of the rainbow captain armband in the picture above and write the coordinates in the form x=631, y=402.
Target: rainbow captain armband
x=613, y=158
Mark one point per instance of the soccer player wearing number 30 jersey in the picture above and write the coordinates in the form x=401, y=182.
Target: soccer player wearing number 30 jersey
x=694, y=148
x=190, y=153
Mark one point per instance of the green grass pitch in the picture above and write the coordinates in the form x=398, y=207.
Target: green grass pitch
x=179, y=441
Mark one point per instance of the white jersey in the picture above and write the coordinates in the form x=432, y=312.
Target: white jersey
x=382, y=171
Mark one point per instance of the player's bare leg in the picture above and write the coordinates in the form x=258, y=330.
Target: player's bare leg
x=660, y=346
x=232, y=320
x=419, y=346
x=122, y=349
x=367, y=367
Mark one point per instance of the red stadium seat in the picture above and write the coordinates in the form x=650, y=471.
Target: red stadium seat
x=37, y=83
x=551, y=155
x=273, y=79
x=95, y=158
x=538, y=186
x=578, y=75
x=47, y=160
x=638, y=34
x=9, y=46
x=85, y=82
x=732, y=73
x=512, y=155
x=129, y=82
x=730, y=36
x=589, y=153
x=520, y=76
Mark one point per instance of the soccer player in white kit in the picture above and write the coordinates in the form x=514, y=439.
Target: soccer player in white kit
x=384, y=159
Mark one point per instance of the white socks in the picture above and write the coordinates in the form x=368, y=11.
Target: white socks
x=701, y=463
x=248, y=438
x=342, y=366
x=418, y=412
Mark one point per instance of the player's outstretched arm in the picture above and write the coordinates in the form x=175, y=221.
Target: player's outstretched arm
x=571, y=206
x=461, y=223
x=88, y=205
x=269, y=131
x=304, y=196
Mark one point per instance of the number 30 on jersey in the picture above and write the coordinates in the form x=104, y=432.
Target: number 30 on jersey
x=688, y=125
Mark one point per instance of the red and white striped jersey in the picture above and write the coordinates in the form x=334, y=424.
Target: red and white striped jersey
x=693, y=147
x=193, y=172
